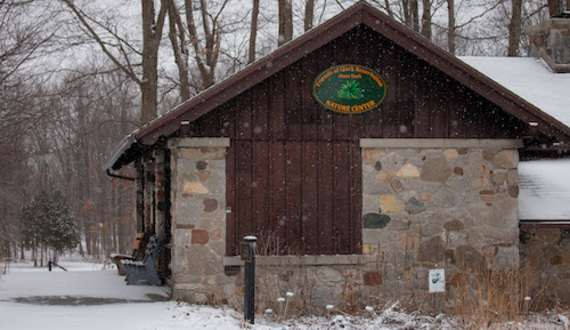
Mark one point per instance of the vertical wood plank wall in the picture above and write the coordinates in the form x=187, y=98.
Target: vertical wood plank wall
x=301, y=197
x=294, y=168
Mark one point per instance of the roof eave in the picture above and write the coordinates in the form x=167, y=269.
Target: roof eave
x=253, y=74
x=361, y=13
x=125, y=144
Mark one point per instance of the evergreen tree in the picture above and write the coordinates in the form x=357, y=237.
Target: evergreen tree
x=47, y=223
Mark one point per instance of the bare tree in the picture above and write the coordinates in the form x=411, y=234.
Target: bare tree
x=152, y=34
x=26, y=35
x=426, y=18
x=285, y=32
x=205, y=43
x=410, y=10
x=121, y=52
x=28, y=32
x=206, y=50
x=515, y=28
x=309, y=13
x=253, y=31
x=177, y=35
x=414, y=11
x=388, y=8
x=451, y=26
x=90, y=113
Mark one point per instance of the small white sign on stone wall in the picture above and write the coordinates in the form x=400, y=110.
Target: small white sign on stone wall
x=436, y=280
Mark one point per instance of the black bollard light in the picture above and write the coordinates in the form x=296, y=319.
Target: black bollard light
x=248, y=255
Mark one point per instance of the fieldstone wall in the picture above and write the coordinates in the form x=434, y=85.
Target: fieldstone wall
x=546, y=252
x=200, y=271
x=316, y=281
x=198, y=217
x=430, y=204
x=434, y=203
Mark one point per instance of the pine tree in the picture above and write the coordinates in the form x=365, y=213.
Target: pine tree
x=48, y=223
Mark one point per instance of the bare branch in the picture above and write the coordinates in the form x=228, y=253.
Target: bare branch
x=81, y=16
x=476, y=17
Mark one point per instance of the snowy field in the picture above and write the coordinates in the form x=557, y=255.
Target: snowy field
x=90, y=297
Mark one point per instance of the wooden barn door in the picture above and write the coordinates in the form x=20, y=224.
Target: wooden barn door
x=298, y=197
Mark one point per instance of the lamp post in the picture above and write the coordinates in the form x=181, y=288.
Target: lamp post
x=248, y=255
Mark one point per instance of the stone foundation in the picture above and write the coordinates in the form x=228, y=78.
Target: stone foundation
x=546, y=251
x=316, y=281
x=427, y=207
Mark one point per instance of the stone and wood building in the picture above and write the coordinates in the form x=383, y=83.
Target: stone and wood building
x=426, y=177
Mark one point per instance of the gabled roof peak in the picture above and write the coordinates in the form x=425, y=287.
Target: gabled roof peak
x=360, y=14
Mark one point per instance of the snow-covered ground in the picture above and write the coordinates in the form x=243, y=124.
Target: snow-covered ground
x=90, y=297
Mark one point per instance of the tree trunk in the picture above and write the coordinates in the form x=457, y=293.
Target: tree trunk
x=206, y=57
x=407, y=16
x=410, y=8
x=388, y=8
x=309, y=13
x=515, y=29
x=177, y=36
x=426, y=19
x=152, y=34
x=253, y=31
x=285, y=22
x=451, y=26
x=414, y=10
x=35, y=254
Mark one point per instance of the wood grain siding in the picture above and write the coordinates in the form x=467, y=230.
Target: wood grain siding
x=295, y=167
x=364, y=35
x=299, y=197
x=422, y=102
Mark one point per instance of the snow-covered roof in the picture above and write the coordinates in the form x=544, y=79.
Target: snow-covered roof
x=544, y=184
x=544, y=190
x=531, y=79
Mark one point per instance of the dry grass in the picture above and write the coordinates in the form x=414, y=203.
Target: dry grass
x=273, y=282
x=483, y=298
x=497, y=295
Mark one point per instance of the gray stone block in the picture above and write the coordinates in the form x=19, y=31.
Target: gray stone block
x=321, y=296
x=393, y=161
x=431, y=250
x=507, y=256
x=436, y=170
x=372, y=185
x=375, y=221
x=413, y=206
x=328, y=275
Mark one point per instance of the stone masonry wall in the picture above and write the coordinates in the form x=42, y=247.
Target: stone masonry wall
x=199, y=219
x=452, y=207
x=547, y=253
x=427, y=204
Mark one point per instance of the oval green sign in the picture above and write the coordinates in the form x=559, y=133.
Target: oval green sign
x=349, y=89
